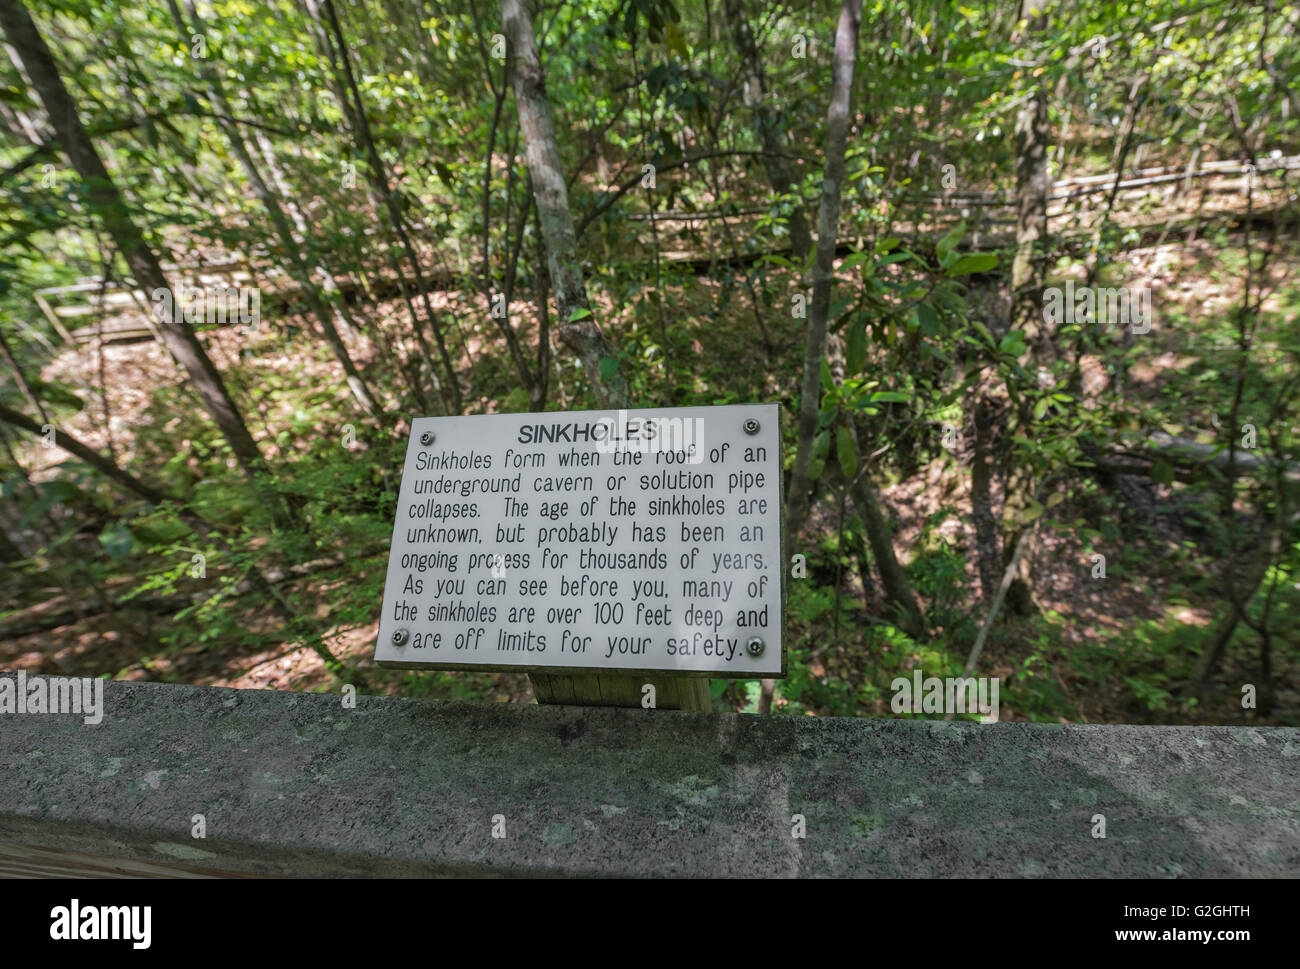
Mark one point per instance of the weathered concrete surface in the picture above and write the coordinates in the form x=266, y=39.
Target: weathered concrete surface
x=295, y=784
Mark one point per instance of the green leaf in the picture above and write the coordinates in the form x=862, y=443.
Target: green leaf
x=579, y=313
x=891, y=259
x=675, y=41
x=889, y=396
x=1031, y=512
x=847, y=448
x=974, y=262
x=1013, y=344
x=855, y=354
x=983, y=331
x=855, y=259
x=928, y=319
x=820, y=448
x=608, y=368
x=949, y=241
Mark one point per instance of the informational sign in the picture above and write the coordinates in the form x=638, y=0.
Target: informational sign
x=625, y=541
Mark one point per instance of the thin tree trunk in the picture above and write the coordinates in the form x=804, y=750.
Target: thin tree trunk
x=378, y=184
x=29, y=394
x=995, y=607
x=988, y=551
x=538, y=399
x=1027, y=273
x=503, y=321
x=846, y=40
x=1033, y=185
x=1225, y=626
x=862, y=556
x=767, y=126
x=892, y=580
x=1122, y=149
x=898, y=592
x=575, y=326
x=837, y=118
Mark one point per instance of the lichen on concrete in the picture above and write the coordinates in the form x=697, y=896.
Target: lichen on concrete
x=298, y=784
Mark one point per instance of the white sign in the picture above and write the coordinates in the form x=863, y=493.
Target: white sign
x=637, y=540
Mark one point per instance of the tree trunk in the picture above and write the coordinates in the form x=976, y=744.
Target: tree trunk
x=578, y=332
x=1033, y=185
x=537, y=399
x=502, y=321
x=39, y=65
x=1122, y=148
x=846, y=41
x=898, y=592
x=575, y=325
x=29, y=394
x=892, y=580
x=767, y=126
x=1216, y=644
x=988, y=553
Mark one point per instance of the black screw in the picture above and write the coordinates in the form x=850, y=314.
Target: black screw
x=751, y=426
x=400, y=637
x=426, y=438
x=754, y=647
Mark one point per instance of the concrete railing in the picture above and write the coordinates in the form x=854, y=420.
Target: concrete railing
x=299, y=784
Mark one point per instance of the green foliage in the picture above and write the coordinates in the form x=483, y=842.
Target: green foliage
x=694, y=285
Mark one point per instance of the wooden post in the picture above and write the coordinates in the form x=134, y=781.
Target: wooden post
x=671, y=691
x=53, y=317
